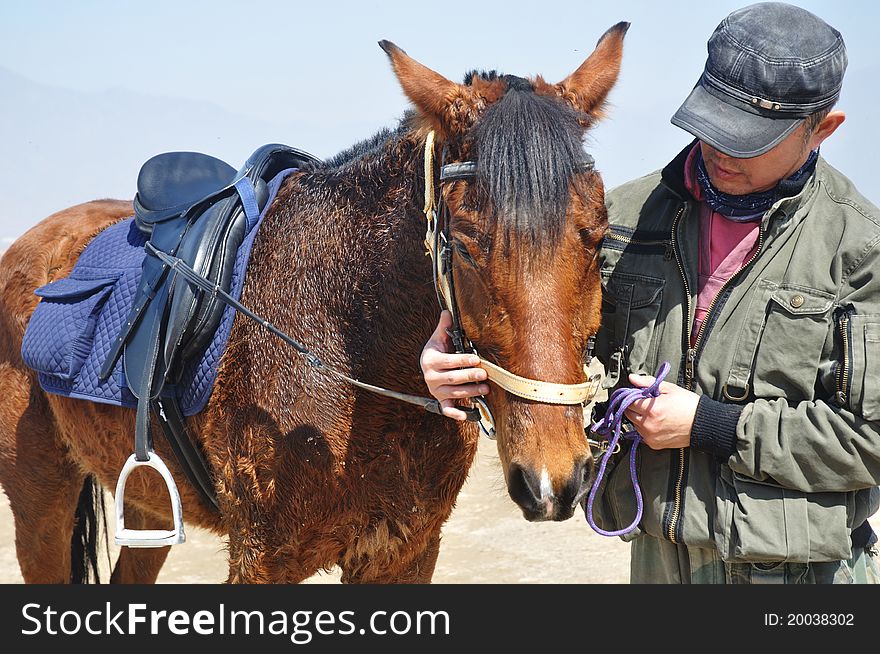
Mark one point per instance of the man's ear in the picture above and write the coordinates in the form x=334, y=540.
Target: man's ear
x=826, y=127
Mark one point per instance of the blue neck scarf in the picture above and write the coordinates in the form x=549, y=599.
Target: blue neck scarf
x=750, y=207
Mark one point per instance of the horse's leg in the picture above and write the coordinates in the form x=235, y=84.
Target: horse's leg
x=139, y=565
x=415, y=569
x=42, y=483
x=421, y=570
x=255, y=558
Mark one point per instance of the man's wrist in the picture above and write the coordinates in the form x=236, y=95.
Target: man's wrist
x=714, y=428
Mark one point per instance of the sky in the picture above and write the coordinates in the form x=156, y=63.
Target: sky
x=91, y=89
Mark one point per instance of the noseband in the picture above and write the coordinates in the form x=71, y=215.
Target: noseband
x=437, y=244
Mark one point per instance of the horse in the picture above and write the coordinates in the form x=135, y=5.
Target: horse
x=309, y=472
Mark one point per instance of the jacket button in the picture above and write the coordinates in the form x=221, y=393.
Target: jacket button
x=797, y=301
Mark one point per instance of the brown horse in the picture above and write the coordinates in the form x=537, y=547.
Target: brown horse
x=310, y=472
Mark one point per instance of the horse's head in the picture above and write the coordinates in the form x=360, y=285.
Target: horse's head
x=524, y=223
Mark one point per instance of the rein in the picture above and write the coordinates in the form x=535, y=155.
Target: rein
x=180, y=267
x=437, y=245
x=613, y=420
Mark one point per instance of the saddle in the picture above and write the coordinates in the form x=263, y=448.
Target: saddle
x=198, y=209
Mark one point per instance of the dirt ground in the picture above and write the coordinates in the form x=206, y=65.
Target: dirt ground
x=485, y=541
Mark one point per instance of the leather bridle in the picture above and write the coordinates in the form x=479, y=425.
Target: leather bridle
x=438, y=246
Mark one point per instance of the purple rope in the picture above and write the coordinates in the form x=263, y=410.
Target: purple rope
x=618, y=404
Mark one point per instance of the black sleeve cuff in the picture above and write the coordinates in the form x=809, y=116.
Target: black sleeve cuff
x=714, y=429
x=863, y=536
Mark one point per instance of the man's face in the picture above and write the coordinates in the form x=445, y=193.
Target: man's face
x=761, y=173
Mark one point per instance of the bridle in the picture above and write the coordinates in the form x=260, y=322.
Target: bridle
x=438, y=247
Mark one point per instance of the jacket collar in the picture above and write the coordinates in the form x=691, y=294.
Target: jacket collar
x=672, y=177
x=673, y=174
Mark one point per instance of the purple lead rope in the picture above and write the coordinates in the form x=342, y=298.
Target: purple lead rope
x=617, y=405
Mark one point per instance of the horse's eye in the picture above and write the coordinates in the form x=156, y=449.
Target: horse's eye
x=463, y=252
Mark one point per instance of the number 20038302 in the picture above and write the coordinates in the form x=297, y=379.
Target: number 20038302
x=809, y=619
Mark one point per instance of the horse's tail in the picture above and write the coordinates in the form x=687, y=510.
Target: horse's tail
x=90, y=517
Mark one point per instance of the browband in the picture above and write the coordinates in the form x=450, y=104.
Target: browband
x=467, y=169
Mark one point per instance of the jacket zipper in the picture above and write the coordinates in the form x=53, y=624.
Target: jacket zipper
x=843, y=372
x=691, y=359
x=689, y=375
x=666, y=243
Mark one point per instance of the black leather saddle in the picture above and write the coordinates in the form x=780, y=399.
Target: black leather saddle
x=199, y=209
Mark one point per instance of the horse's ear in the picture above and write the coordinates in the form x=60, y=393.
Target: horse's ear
x=430, y=92
x=588, y=86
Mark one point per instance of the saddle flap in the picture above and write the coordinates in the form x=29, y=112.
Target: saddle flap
x=211, y=247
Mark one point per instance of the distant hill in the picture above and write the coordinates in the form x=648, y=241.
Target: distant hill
x=74, y=147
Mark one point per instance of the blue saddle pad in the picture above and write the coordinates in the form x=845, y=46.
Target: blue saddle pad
x=70, y=332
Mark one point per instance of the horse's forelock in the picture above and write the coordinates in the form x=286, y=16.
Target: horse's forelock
x=527, y=148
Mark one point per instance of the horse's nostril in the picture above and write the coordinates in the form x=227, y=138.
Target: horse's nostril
x=536, y=497
x=523, y=487
x=579, y=484
x=589, y=471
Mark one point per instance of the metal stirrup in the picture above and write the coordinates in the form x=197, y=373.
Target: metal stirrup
x=148, y=537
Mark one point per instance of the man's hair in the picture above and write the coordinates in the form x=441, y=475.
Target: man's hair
x=812, y=122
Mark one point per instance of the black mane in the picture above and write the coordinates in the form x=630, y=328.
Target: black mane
x=527, y=148
x=371, y=145
x=491, y=76
x=358, y=150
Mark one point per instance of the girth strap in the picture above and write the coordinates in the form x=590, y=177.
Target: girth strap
x=245, y=189
x=191, y=460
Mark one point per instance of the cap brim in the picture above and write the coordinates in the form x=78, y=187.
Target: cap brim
x=729, y=129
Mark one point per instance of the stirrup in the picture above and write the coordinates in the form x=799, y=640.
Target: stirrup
x=148, y=537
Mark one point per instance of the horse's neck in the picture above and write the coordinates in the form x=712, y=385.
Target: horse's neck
x=368, y=231
x=397, y=272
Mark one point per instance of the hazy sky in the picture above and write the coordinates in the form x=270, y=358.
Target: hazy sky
x=310, y=74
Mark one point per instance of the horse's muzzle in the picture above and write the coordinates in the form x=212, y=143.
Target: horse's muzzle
x=535, y=495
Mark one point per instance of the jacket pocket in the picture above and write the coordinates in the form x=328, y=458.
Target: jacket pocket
x=791, y=342
x=630, y=308
x=762, y=521
x=863, y=373
x=61, y=330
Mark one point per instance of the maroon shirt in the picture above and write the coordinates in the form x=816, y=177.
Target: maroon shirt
x=725, y=246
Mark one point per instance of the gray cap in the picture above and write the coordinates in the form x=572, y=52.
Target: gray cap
x=770, y=65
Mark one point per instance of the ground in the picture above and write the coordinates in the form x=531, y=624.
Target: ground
x=485, y=541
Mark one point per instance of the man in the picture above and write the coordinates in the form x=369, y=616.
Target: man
x=747, y=263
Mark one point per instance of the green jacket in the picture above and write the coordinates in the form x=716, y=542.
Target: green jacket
x=789, y=352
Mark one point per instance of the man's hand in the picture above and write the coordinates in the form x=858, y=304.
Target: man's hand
x=450, y=376
x=665, y=421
